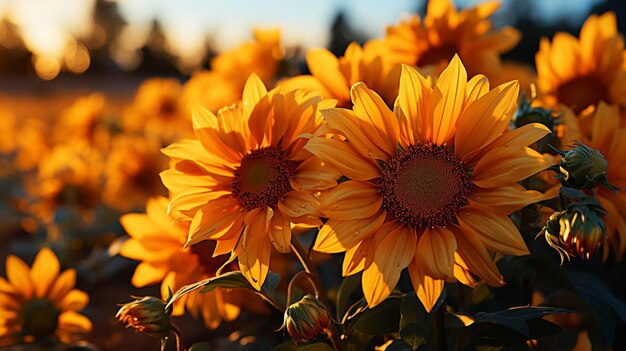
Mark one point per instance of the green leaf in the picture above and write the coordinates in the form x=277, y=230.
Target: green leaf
x=348, y=287
x=413, y=321
x=382, y=319
x=227, y=280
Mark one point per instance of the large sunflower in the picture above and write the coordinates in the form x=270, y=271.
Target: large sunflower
x=247, y=176
x=39, y=303
x=334, y=76
x=580, y=73
x=431, y=186
x=158, y=244
x=608, y=136
x=445, y=32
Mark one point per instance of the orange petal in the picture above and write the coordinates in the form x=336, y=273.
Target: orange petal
x=213, y=220
x=435, y=253
x=18, y=274
x=476, y=88
x=413, y=100
x=447, y=100
x=72, y=322
x=339, y=235
x=522, y=136
x=507, y=165
x=344, y=121
x=475, y=256
x=507, y=199
x=254, y=250
x=63, y=285
x=280, y=232
x=75, y=300
x=253, y=91
x=350, y=200
x=300, y=207
x=44, y=271
x=343, y=157
x=496, y=231
x=148, y=274
x=394, y=252
x=354, y=260
x=427, y=289
x=313, y=174
x=325, y=67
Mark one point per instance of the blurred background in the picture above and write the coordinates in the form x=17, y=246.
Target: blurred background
x=55, y=51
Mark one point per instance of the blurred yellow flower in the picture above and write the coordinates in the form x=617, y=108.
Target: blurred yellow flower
x=444, y=31
x=609, y=137
x=39, y=303
x=431, y=184
x=83, y=121
x=132, y=172
x=69, y=175
x=157, y=112
x=222, y=85
x=582, y=72
x=247, y=178
x=158, y=243
x=333, y=77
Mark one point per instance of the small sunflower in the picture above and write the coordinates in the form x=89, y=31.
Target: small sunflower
x=432, y=42
x=158, y=244
x=132, y=172
x=430, y=185
x=40, y=303
x=334, y=76
x=84, y=121
x=609, y=137
x=247, y=177
x=579, y=73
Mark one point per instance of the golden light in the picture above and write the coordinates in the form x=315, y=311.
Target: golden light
x=47, y=67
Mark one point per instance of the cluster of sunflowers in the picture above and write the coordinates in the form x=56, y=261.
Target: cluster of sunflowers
x=419, y=151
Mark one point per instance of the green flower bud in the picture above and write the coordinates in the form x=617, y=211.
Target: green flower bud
x=306, y=319
x=147, y=315
x=578, y=231
x=583, y=168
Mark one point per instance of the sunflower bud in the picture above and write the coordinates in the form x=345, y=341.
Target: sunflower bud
x=577, y=231
x=147, y=315
x=306, y=319
x=583, y=168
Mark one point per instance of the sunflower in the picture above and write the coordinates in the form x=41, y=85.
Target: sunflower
x=334, y=76
x=83, y=120
x=132, y=172
x=222, y=85
x=157, y=111
x=158, y=244
x=247, y=177
x=430, y=185
x=444, y=32
x=581, y=73
x=39, y=303
x=608, y=136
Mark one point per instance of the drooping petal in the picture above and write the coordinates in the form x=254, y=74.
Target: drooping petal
x=280, y=232
x=351, y=200
x=394, y=253
x=475, y=256
x=427, y=289
x=254, y=250
x=496, y=231
x=435, y=253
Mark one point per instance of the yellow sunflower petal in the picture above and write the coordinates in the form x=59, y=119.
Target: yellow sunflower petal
x=44, y=271
x=474, y=254
x=354, y=260
x=148, y=274
x=381, y=125
x=313, y=174
x=18, y=274
x=413, y=99
x=340, y=235
x=522, y=136
x=213, y=220
x=346, y=123
x=427, y=289
x=476, y=88
x=351, y=200
x=325, y=67
x=435, y=253
x=447, y=100
x=280, y=232
x=394, y=253
x=253, y=91
x=506, y=199
x=496, y=231
x=63, y=285
x=73, y=322
x=507, y=165
x=341, y=156
x=254, y=250
x=75, y=300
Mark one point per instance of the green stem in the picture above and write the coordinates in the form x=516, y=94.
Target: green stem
x=309, y=267
x=180, y=344
x=293, y=282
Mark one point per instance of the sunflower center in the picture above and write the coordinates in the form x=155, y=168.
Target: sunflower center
x=262, y=179
x=581, y=92
x=39, y=318
x=424, y=186
x=436, y=54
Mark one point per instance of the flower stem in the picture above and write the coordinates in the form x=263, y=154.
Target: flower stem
x=313, y=275
x=295, y=279
x=180, y=344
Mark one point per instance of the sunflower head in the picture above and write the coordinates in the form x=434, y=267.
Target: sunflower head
x=578, y=231
x=146, y=315
x=306, y=319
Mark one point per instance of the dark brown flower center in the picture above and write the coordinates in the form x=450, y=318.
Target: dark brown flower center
x=581, y=92
x=437, y=54
x=424, y=186
x=39, y=318
x=262, y=179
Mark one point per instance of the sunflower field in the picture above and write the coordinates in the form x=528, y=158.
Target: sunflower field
x=443, y=186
